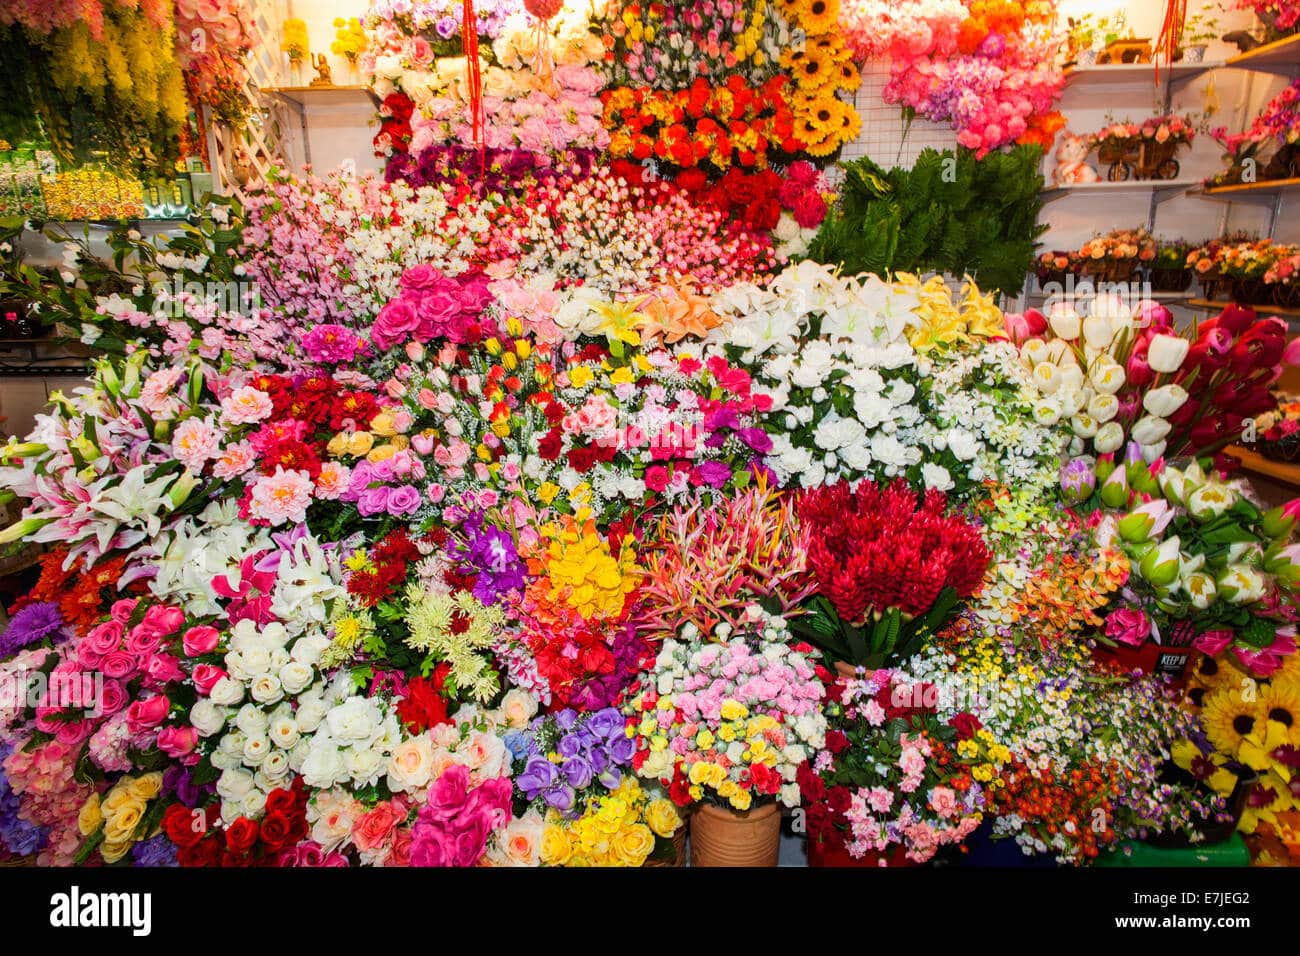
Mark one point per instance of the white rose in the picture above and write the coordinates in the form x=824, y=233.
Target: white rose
x=295, y=677
x=254, y=803
x=267, y=690
x=233, y=743
x=310, y=714
x=252, y=720
x=207, y=717
x=256, y=661
x=936, y=476
x=275, y=766
x=234, y=784
x=411, y=765
x=255, y=750
x=365, y=766
x=518, y=708
x=227, y=692
x=308, y=650
x=284, y=732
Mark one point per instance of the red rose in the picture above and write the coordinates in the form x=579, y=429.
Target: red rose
x=281, y=800
x=275, y=830
x=241, y=835
x=763, y=214
x=235, y=860
x=581, y=460
x=680, y=791
x=821, y=823
x=966, y=725
x=203, y=853
x=836, y=742
x=183, y=826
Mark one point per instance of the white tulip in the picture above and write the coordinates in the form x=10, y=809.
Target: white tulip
x=1166, y=353
x=1047, y=377
x=1084, y=425
x=1150, y=429
x=1103, y=407
x=1097, y=331
x=1107, y=376
x=1165, y=400
x=1109, y=437
x=1065, y=324
x=1151, y=452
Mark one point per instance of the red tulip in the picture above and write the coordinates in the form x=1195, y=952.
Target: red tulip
x=1138, y=372
x=1235, y=319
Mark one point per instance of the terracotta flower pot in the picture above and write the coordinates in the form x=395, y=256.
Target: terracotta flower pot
x=723, y=837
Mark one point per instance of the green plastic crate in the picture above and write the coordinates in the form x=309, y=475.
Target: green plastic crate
x=1231, y=852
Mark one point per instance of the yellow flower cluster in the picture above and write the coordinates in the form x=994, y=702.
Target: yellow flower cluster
x=617, y=829
x=294, y=41
x=349, y=39
x=819, y=65
x=583, y=572
x=984, y=756
x=946, y=320
x=1247, y=720
x=351, y=627
x=119, y=814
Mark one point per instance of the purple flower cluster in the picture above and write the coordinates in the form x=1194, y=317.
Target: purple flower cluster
x=488, y=553
x=566, y=753
x=156, y=851
x=32, y=625
x=498, y=170
x=20, y=837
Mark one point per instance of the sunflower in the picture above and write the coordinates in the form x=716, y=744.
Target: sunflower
x=1281, y=703
x=1228, y=718
x=811, y=70
x=811, y=16
x=1267, y=798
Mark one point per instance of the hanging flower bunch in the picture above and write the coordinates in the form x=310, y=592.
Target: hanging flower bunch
x=213, y=39
x=117, y=66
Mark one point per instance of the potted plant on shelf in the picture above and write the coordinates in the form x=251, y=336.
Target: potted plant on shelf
x=1199, y=29
x=1245, y=264
x=1159, y=139
x=723, y=720
x=891, y=787
x=1168, y=271
x=1056, y=267
x=1278, y=430
x=1283, y=277
x=1117, y=146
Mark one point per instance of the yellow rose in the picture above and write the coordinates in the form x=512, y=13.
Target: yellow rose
x=556, y=847
x=120, y=826
x=147, y=786
x=90, y=817
x=382, y=453
x=741, y=800
x=400, y=442
x=359, y=443
x=733, y=710
x=117, y=798
x=662, y=817
x=633, y=844
x=383, y=426
x=112, y=852
x=338, y=445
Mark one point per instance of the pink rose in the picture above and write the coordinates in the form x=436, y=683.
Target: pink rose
x=163, y=620
x=177, y=742
x=200, y=640
x=147, y=714
x=205, y=677
x=142, y=642
x=372, y=829
x=163, y=669
x=104, y=638
x=112, y=697
x=122, y=610
x=118, y=665
x=1128, y=626
x=74, y=732
x=394, y=323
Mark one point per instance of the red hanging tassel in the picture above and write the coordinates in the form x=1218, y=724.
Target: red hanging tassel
x=1170, y=32
x=474, y=82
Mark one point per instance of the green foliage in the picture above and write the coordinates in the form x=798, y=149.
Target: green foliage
x=949, y=213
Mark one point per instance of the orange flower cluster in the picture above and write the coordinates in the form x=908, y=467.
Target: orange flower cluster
x=82, y=596
x=1063, y=596
x=1073, y=808
x=716, y=126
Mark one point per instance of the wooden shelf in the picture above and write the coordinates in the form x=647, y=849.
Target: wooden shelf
x=1162, y=188
x=303, y=96
x=1237, y=190
x=1207, y=306
x=1255, y=463
x=1280, y=56
x=1104, y=74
